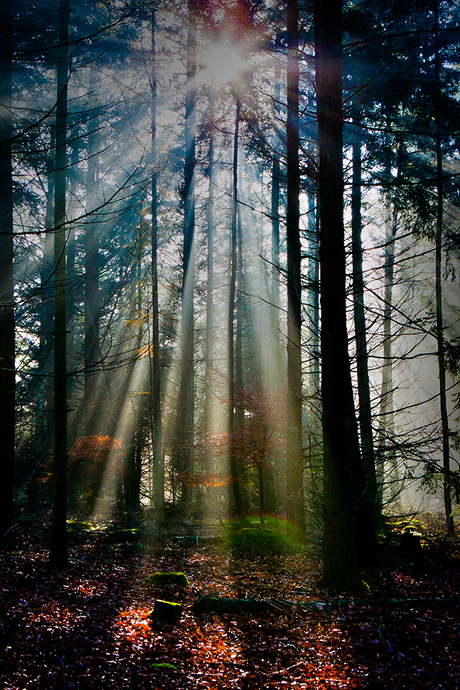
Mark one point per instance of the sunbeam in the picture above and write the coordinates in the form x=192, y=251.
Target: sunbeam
x=105, y=506
x=223, y=63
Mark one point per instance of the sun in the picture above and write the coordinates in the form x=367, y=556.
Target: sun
x=222, y=63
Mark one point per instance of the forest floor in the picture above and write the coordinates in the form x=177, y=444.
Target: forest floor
x=90, y=628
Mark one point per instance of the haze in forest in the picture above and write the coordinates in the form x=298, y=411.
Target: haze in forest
x=229, y=265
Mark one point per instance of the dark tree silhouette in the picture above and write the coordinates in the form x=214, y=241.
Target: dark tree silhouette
x=58, y=547
x=342, y=470
x=7, y=318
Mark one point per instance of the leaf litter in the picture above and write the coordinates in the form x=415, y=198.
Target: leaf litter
x=90, y=627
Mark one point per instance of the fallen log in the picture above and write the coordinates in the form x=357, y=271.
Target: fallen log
x=222, y=605
x=420, y=601
x=235, y=606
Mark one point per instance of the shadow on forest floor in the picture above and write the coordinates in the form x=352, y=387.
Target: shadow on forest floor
x=90, y=627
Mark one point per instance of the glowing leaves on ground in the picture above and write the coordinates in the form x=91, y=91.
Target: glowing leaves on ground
x=134, y=623
x=90, y=627
x=214, y=647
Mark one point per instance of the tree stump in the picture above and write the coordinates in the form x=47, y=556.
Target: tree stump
x=166, y=612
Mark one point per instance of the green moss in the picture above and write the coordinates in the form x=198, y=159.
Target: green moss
x=79, y=526
x=163, y=665
x=270, y=537
x=169, y=578
x=366, y=587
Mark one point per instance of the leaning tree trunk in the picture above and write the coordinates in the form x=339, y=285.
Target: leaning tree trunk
x=313, y=296
x=313, y=328
x=7, y=317
x=342, y=468
x=438, y=280
x=294, y=367
x=58, y=547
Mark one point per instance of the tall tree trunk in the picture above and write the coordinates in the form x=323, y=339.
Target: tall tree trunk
x=234, y=475
x=7, y=317
x=209, y=392
x=72, y=274
x=341, y=458
x=386, y=422
x=276, y=479
x=260, y=472
x=58, y=546
x=155, y=370
x=238, y=373
x=135, y=428
x=438, y=280
x=294, y=484
x=184, y=437
x=133, y=466
x=364, y=398
x=275, y=201
x=241, y=312
x=275, y=216
x=92, y=297
x=45, y=421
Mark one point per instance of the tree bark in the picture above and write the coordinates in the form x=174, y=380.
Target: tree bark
x=294, y=484
x=133, y=467
x=58, y=546
x=7, y=316
x=341, y=458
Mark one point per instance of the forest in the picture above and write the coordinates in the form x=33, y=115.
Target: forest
x=229, y=343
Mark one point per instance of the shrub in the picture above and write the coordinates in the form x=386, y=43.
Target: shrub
x=270, y=537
